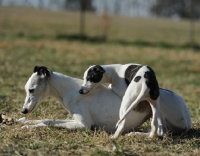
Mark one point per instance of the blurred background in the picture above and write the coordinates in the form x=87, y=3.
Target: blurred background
x=124, y=22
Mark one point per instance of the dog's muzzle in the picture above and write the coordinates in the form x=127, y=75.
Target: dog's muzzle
x=24, y=111
x=83, y=91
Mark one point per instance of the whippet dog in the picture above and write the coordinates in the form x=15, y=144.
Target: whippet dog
x=130, y=81
x=98, y=109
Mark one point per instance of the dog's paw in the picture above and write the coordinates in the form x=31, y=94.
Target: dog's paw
x=29, y=126
x=25, y=127
x=113, y=137
x=139, y=133
x=134, y=133
x=152, y=135
x=21, y=119
x=131, y=133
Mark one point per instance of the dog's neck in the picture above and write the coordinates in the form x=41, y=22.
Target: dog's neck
x=110, y=73
x=64, y=88
x=115, y=76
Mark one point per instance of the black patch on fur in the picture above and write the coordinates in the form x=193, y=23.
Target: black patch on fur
x=152, y=83
x=42, y=70
x=137, y=79
x=130, y=73
x=95, y=74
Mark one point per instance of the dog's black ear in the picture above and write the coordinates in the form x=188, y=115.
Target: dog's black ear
x=99, y=69
x=42, y=70
x=36, y=69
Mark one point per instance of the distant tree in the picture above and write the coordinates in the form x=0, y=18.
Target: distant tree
x=40, y=4
x=181, y=8
x=27, y=3
x=82, y=5
x=76, y=4
x=117, y=6
x=105, y=22
x=82, y=17
x=136, y=5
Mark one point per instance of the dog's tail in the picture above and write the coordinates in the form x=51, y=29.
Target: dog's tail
x=144, y=91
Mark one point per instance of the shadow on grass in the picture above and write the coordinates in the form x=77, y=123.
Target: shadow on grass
x=95, y=39
x=102, y=39
x=192, y=133
x=139, y=43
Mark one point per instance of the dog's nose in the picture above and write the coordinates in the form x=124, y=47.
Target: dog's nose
x=81, y=91
x=25, y=111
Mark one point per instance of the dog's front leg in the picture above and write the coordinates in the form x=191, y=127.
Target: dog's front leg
x=162, y=126
x=154, y=122
x=23, y=120
x=34, y=126
x=69, y=124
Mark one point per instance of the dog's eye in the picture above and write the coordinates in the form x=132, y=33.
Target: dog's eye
x=31, y=90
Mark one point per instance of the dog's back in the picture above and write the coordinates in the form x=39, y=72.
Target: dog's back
x=122, y=75
x=175, y=110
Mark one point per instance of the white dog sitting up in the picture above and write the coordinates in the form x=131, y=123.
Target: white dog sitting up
x=172, y=114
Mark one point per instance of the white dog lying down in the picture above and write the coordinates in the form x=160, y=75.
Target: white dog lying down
x=173, y=114
x=99, y=109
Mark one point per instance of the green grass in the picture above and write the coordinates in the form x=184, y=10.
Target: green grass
x=28, y=37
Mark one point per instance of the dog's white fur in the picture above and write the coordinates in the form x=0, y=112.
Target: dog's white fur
x=99, y=108
x=174, y=115
x=135, y=93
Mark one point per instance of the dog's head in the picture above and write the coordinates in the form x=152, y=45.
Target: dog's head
x=92, y=78
x=36, y=88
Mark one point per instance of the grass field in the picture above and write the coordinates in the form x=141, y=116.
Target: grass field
x=31, y=37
